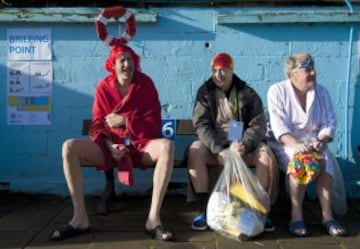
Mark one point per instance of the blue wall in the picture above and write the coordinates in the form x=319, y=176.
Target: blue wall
x=176, y=50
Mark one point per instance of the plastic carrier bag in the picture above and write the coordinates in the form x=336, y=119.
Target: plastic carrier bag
x=238, y=206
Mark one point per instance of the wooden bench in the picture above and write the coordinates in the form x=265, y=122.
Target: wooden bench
x=184, y=127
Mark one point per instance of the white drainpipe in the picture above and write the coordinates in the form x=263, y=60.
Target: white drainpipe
x=347, y=88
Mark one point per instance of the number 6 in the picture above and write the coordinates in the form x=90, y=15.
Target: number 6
x=168, y=130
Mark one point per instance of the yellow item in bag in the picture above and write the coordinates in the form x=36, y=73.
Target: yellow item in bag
x=238, y=191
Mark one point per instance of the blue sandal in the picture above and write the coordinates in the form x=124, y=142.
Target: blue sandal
x=298, y=229
x=333, y=228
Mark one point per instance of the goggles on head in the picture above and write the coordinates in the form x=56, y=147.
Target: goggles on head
x=307, y=64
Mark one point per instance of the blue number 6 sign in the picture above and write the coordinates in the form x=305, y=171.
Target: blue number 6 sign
x=168, y=128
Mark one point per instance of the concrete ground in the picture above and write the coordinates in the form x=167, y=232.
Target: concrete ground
x=27, y=220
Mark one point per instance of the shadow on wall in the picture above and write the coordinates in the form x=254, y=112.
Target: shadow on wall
x=31, y=153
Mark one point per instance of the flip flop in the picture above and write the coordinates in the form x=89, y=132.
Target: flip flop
x=160, y=233
x=67, y=231
x=333, y=228
x=295, y=228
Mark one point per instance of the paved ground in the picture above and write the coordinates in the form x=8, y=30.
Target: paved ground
x=27, y=220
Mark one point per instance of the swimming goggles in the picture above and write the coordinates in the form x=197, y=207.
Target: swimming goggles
x=307, y=64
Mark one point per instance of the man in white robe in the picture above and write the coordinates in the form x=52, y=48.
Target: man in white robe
x=302, y=119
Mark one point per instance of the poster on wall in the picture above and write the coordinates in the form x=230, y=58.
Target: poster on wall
x=29, y=110
x=29, y=77
x=29, y=44
x=29, y=88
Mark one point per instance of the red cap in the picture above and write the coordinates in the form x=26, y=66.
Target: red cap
x=222, y=60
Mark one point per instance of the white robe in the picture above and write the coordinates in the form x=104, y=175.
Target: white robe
x=287, y=116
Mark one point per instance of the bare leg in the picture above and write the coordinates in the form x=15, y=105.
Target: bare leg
x=162, y=152
x=73, y=152
x=203, y=167
x=267, y=173
x=266, y=170
x=324, y=186
x=297, y=193
x=197, y=165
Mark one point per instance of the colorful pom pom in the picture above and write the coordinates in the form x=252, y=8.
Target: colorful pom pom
x=305, y=167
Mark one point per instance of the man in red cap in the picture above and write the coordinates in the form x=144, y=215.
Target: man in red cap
x=125, y=132
x=222, y=99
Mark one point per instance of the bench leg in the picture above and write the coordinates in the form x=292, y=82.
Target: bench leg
x=108, y=193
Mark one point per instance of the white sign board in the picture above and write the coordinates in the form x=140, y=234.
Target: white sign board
x=29, y=44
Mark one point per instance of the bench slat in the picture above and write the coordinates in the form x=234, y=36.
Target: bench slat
x=184, y=127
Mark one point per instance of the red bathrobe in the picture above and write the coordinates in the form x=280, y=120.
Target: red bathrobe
x=141, y=107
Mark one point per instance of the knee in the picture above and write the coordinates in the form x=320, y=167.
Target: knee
x=68, y=147
x=197, y=156
x=267, y=157
x=197, y=149
x=167, y=146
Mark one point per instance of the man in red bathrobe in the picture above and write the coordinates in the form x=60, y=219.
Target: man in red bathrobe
x=125, y=132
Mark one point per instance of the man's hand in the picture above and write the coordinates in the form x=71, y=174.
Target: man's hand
x=301, y=147
x=221, y=157
x=325, y=139
x=114, y=120
x=240, y=147
x=318, y=145
x=118, y=151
